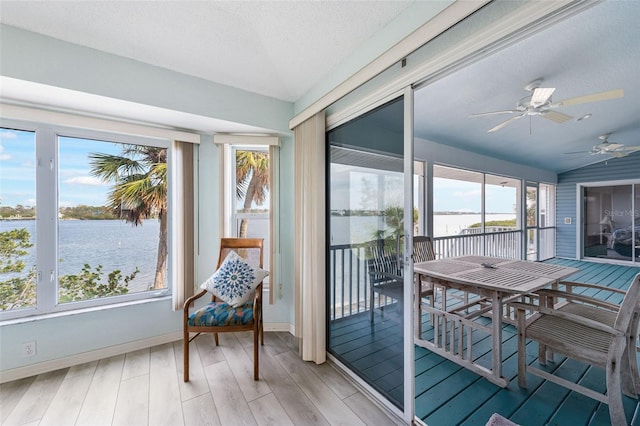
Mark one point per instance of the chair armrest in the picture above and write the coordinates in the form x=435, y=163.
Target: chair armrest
x=572, y=284
x=573, y=296
x=189, y=301
x=257, y=302
x=569, y=317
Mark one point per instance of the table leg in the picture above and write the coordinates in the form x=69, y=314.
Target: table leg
x=496, y=324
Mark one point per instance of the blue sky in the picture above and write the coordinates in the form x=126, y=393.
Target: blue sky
x=76, y=185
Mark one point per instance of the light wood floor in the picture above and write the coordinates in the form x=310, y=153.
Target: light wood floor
x=145, y=388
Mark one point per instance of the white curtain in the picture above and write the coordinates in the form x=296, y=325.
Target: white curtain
x=182, y=227
x=310, y=250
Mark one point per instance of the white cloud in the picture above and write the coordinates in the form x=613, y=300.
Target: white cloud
x=86, y=180
x=7, y=134
x=4, y=156
x=467, y=194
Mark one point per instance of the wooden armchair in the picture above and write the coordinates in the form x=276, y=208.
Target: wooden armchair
x=220, y=317
x=589, y=330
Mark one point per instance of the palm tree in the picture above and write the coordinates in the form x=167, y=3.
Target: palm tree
x=252, y=182
x=140, y=191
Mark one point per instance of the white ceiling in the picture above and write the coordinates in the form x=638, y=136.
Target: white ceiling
x=274, y=48
x=281, y=49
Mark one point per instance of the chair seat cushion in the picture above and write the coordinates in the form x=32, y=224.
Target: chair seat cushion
x=220, y=314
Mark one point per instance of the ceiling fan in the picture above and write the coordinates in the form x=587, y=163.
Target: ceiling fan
x=539, y=103
x=609, y=148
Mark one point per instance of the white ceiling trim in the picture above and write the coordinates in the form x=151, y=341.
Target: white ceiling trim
x=246, y=140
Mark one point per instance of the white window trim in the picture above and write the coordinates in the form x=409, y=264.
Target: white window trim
x=46, y=150
x=228, y=144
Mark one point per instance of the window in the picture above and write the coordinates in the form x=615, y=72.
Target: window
x=101, y=233
x=250, y=198
x=250, y=218
x=18, y=219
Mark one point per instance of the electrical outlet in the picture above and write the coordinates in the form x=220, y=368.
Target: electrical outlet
x=29, y=349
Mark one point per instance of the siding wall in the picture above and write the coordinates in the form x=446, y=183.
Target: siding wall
x=616, y=169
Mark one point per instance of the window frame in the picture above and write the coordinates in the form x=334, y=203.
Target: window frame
x=47, y=181
x=228, y=145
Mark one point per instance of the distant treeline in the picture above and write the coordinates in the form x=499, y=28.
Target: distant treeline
x=81, y=212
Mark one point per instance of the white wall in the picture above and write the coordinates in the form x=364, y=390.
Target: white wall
x=66, y=339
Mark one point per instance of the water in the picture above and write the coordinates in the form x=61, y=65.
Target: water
x=113, y=244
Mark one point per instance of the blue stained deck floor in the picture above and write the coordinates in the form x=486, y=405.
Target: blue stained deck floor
x=447, y=394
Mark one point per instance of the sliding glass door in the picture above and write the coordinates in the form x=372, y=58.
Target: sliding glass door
x=366, y=220
x=611, y=222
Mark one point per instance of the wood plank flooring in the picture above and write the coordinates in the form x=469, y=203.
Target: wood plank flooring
x=145, y=387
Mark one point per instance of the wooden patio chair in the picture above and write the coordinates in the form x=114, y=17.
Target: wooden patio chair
x=422, y=252
x=384, y=273
x=220, y=316
x=589, y=330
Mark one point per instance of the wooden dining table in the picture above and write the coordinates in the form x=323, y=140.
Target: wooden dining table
x=493, y=281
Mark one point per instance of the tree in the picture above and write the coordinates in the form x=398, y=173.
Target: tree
x=18, y=291
x=252, y=182
x=139, y=175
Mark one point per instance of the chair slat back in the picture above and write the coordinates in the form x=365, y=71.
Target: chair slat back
x=422, y=249
x=248, y=248
x=629, y=306
x=381, y=257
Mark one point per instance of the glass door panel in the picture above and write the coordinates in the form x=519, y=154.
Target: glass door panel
x=610, y=222
x=532, y=222
x=365, y=201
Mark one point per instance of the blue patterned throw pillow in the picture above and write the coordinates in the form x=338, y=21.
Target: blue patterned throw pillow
x=235, y=281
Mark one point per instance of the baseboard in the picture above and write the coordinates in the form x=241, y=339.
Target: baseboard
x=82, y=358
x=277, y=326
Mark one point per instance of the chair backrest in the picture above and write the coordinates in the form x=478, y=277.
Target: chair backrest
x=381, y=257
x=248, y=248
x=422, y=249
x=629, y=306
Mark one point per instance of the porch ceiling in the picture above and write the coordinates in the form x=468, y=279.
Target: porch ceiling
x=594, y=51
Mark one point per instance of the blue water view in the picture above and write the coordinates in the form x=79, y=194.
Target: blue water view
x=113, y=244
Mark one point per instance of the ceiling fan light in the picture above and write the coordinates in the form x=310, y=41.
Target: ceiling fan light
x=541, y=95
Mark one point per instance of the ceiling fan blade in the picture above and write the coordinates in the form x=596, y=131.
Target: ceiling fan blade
x=608, y=146
x=541, y=95
x=627, y=149
x=556, y=116
x=594, y=97
x=577, y=152
x=506, y=111
x=618, y=154
x=504, y=123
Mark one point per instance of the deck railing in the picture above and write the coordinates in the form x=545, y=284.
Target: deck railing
x=349, y=285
